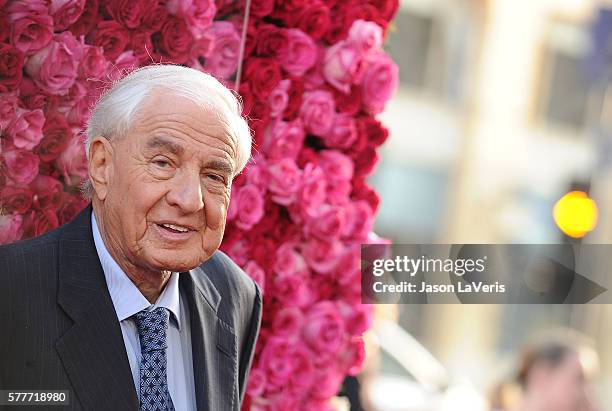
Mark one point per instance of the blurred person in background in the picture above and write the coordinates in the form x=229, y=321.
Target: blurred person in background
x=554, y=374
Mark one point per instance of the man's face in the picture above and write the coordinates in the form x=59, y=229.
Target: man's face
x=169, y=185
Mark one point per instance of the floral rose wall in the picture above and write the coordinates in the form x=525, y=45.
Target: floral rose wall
x=314, y=77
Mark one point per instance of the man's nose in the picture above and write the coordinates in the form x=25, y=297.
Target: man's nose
x=186, y=192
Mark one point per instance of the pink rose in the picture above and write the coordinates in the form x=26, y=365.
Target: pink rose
x=284, y=180
x=31, y=25
x=318, y=111
x=379, y=82
x=284, y=140
x=124, y=64
x=66, y=12
x=292, y=290
x=360, y=220
x=329, y=381
x=198, y=14
x=55, y=67
x=358, y=318
x=337, y=166
x=10, y=228
x=26, y=128
x=324, y=329
x=289, y=262
x=288, y=322
x=279, y=98
x=313, y=191
x=250, y=205
x=275, y=361
x=257, y=174
x=72, y=162
x=93, y=64
x=322, y=256
x=343, y=65
x=300, y=54
x=328, y=224
x=343, y=133
x=256, y=273
x=366, y=35
x=257, y=382
x=8, y=106
x=223, y=59
x=354, y=357
x=239, y=251
x=21, y=166
x=304, y=375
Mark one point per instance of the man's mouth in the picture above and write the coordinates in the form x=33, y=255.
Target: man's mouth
x=173, y=228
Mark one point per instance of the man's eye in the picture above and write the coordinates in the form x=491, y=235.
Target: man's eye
x=161, y=163
x=215, y=177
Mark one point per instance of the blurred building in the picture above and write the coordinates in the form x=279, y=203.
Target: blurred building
x=504, y=106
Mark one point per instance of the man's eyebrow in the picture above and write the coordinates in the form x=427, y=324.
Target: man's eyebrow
x=161, y=142
x=220, y=165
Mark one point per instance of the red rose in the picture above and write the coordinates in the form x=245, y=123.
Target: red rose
x=16, y=199
x=31, y=96
x=386, y=8
x=312, y=19
x=5, y=27
x=247, y=98
x=361, y=191
x=174, y=39
x=261, y=8
x=153, y=17
x=372, y=131
x=112, y=37
x=271, y=40
x=47, y=192
x=349, y=104
x=56, y=136
x=129, y=13
x=11, y=67
x=142, y=45
x=40, y=222
x=71, y=205
x=87, y=20
x=263, y=74
x=66, y=13
x=365, y=161
x=295, y=92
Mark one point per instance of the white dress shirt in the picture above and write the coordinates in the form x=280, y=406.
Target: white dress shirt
x=128, y=300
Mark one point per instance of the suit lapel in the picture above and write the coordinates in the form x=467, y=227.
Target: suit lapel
x=92, y=351
x=213, y=343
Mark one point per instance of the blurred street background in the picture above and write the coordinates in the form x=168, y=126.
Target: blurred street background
x=504, y=107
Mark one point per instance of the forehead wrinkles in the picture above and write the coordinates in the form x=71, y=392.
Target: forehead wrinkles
x=193, y=127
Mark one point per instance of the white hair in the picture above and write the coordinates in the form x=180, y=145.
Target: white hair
x=114, y=113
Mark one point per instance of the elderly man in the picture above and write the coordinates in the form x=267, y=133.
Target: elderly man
x=131, y=305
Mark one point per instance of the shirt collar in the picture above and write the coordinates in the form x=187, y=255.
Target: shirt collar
x=127, y=298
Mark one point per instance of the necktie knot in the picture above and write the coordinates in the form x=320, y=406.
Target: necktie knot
x=152, y=326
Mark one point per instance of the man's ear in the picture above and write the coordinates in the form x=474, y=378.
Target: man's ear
x=100, y=165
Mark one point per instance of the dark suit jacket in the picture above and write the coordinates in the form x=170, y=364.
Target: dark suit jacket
x=59, y=329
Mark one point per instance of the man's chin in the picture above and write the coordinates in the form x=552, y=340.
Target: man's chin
x=176, y=263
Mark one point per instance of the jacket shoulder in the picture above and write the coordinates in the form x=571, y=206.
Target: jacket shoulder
x=227, y=276
x=21, y=255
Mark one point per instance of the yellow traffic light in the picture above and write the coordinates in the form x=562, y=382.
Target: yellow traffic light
x=575, y=214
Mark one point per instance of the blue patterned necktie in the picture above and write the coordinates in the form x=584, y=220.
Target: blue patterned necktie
x=152, y=326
